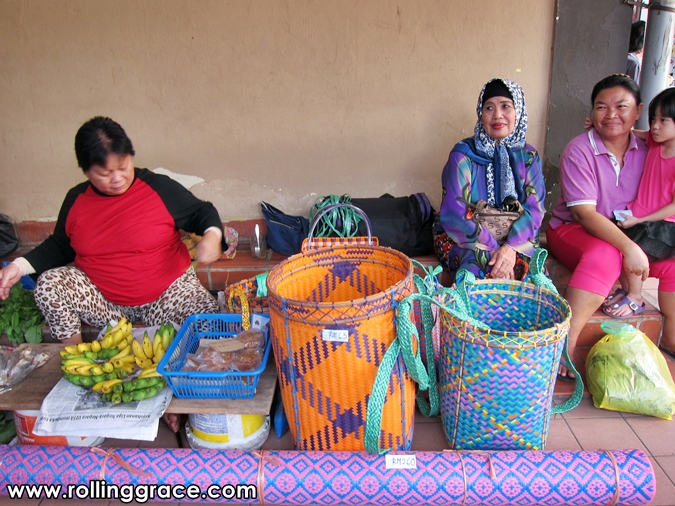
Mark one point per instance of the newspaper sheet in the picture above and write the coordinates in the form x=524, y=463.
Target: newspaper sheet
x=70, y=410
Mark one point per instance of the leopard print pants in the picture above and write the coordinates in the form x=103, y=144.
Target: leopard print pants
x=67, y=297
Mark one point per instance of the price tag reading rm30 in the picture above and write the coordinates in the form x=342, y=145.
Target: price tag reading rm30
x=340, y=336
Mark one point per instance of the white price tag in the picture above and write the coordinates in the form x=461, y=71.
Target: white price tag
x=400, y=461
x=340, y=336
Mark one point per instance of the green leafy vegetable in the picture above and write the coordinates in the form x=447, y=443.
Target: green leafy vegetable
x=20, y=318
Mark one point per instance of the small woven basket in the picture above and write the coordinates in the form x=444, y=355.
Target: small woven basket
x=250, y=289
x=501, y=343
x=332, y=315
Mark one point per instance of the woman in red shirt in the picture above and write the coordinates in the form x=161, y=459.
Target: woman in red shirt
x=116, y=249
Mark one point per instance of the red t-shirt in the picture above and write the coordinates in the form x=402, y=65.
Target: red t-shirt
x=128, y=245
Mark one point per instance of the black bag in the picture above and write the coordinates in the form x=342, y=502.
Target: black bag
x=284, y=233
x=402, y=223
x=8, y=239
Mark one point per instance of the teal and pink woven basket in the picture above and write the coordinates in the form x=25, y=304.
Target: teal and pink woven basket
x=501, y=344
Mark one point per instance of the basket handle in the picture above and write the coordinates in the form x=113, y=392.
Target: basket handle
x=378, y=394
x=578, y=393
x=539, y=278
x=538, y=270
x=403, y=343
x=245, y=308
x=465, y=279
x=331, y=208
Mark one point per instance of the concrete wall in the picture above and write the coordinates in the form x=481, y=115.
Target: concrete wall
x=589, y=45
x=277, y=100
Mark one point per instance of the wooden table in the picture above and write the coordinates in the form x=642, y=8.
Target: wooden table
x=33, y=389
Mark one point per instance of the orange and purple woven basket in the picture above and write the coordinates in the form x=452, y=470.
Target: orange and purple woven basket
x=333, y=320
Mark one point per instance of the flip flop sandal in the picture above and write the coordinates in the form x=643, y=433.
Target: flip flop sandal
x=565, y=378
x=625, y=301
x=619, y=291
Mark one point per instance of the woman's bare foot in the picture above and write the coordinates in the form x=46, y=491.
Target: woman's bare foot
x=618, y=294
x=630, y=304
x=564, y=373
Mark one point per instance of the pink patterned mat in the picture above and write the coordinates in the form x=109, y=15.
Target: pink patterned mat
x=354, y=478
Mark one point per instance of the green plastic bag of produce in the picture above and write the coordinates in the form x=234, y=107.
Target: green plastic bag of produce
x=625, y=371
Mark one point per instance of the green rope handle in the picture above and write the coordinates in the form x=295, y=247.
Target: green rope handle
x=539, y=278
x=341, y=221
x=402, y=344
x=429, y=282
x=376, y=400
x=462, y=311
x=428, y=285
x=538, y=269
x=578, y=393
x=464, y=280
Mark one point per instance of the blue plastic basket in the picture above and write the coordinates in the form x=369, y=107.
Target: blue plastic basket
x=207, y=385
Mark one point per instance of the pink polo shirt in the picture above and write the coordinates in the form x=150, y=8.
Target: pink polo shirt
x=590, y=174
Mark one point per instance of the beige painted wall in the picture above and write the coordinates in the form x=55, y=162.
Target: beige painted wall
x=276, y=100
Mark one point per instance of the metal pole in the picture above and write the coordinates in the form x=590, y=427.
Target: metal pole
x=656, y=58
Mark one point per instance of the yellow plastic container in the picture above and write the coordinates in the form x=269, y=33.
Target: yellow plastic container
x=227, y=432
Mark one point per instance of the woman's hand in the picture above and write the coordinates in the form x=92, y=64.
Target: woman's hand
x=629, y=221
x=502, y=262
x=635, y=261
x=8, y=277
x=209, y=248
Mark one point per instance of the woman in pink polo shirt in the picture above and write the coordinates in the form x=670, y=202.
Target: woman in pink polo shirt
x=600, y=172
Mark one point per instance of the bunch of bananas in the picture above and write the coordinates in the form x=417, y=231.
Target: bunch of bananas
x=87, y=364
x=149, y=382
x=146, y=385
x=148, y=352
x=104, y=365
x=132, y=389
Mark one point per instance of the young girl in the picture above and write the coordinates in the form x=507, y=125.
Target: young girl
x=652, y=223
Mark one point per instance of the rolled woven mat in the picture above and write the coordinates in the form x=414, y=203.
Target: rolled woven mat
x=355, y=478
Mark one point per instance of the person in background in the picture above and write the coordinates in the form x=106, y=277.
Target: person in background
x=635, y=50
x=121, y=230
x=498, y=167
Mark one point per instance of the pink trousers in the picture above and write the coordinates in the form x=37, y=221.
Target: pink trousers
x=596, y=264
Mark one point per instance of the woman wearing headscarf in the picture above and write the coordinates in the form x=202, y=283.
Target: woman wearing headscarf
x=495, y=166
